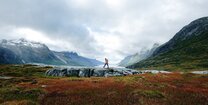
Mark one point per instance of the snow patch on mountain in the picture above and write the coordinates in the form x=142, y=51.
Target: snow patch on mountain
x=21, y=42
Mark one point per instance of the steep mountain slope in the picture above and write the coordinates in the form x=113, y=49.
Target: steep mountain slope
x=23, y=51
x=7, y=57
x=30, y=52
x=143, y=54
x=187, y=50
x=125, y=61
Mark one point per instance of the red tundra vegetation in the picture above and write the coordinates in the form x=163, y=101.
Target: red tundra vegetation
x=29, y=86
x=147, y=89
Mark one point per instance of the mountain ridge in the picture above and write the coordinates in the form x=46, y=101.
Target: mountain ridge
x=187, y=50
x=23, y=51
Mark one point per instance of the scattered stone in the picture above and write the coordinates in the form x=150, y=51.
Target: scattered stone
x=43, y=86
x=34, y=82
x=154, y=71
x=200, y=72
x=5, y=77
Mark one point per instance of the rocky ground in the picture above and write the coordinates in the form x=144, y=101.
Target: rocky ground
x=102, y=72
x=96, y=72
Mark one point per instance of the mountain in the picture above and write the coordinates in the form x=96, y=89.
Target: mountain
x=29, y=52
x=74, y=59
x=7, y=56
x=22, y=51
x=187, y=50
x=143, y=54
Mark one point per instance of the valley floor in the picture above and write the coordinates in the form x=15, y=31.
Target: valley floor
x=29, y=86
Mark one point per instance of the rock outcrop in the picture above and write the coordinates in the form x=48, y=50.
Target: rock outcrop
x=88, y=72
x=96, y=72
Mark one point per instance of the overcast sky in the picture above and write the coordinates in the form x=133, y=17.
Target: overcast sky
x=98, y=28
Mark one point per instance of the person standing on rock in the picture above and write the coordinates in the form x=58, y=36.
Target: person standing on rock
x=106, y=63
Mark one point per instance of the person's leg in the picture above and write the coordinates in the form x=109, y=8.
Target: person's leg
x=107, y=65
x=104, y=65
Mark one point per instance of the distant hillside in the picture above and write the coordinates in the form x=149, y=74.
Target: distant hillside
x=22, y=51
x=187, y=50
x=143, y=54
x=73, y=58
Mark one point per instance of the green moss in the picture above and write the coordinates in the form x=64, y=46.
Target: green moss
x=23, y=70
x=16, y=93
x=129, y=79
x=149, y=93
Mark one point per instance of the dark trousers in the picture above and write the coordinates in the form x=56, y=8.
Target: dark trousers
x=105, y=65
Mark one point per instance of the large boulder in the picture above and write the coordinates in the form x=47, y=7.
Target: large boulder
x=88, y=72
